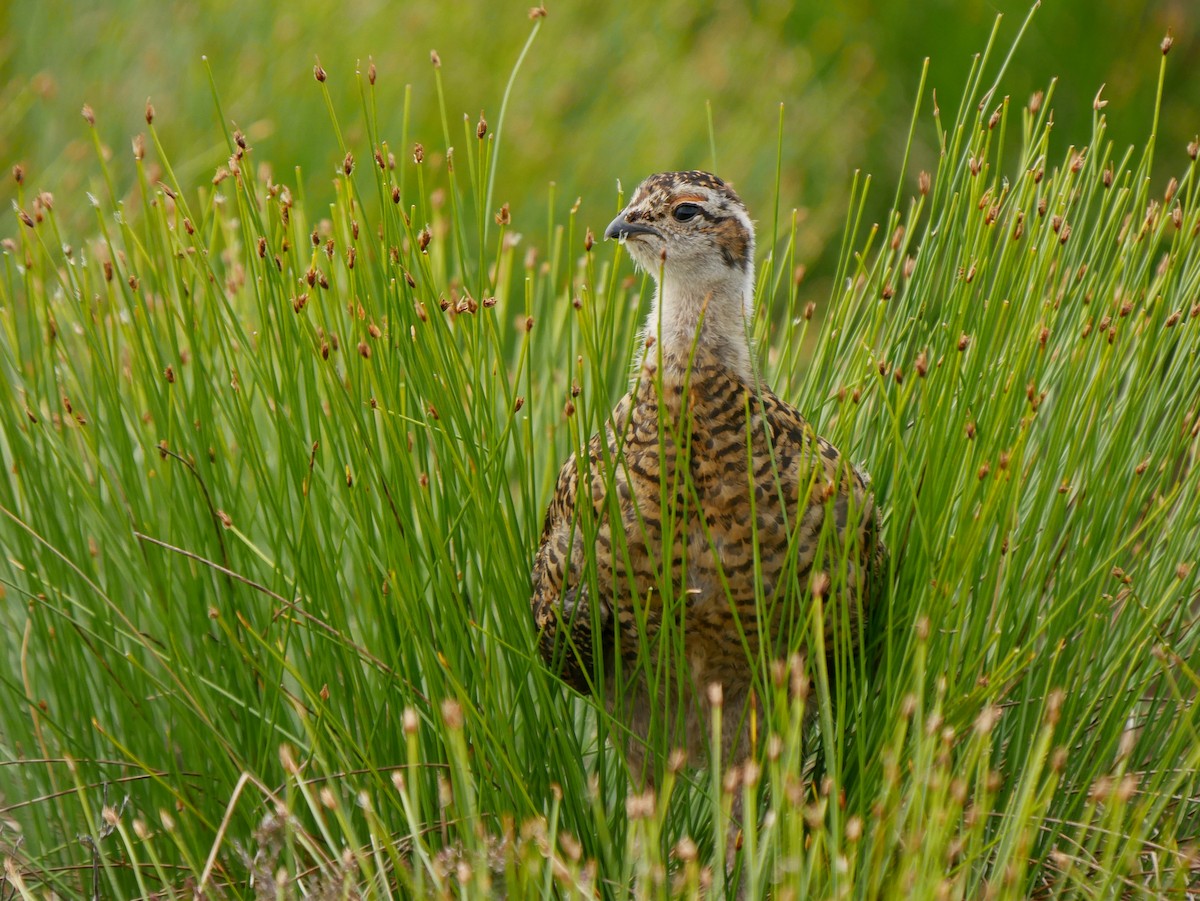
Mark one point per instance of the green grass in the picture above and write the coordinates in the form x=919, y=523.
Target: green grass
x=274, y=472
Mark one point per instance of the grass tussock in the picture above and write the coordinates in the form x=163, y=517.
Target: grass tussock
x=273, y=476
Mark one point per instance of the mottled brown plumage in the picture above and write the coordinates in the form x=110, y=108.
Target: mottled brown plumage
x=702, y=469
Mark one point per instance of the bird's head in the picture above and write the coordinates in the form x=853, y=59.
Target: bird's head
x=687, y=224
x=692, y=233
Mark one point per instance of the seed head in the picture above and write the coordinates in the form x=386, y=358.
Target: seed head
x=537, y=12
x=348, y=163
x=1193, y=147
x=1035, y=102
x=371, y=72
x=924, y=182
x=716, y=695
x=319, y=73
x=418, y=153
x=18, y=174
x=88, y=115
x=1167, y=41
x=481, y=128
x=435, y=59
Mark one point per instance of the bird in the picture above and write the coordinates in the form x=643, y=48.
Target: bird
x=707, y=518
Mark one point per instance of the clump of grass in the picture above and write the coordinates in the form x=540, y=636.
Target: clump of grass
x=273, y=477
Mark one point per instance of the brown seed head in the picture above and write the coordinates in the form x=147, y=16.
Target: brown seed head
x=348, y=163
x=820, y=584
x=809, y=309
x=18, y=174
x=589, y=241
x=435, y=59
x=88, y=115
x=1167, y=42
x=924, y=182
x=537, y=12
x=418, y=153
x=371, y=72
x=1193, y=147
x=319, y=72
x=481, y=128
x=1035, y=102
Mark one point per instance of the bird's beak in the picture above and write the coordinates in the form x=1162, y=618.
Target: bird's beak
x=621, y=228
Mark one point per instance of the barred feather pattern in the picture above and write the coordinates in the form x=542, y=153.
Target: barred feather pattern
x=676, y=553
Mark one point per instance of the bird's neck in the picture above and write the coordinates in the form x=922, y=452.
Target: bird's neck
x=708, y=321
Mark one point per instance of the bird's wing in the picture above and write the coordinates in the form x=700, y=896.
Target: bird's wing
x=561, y=601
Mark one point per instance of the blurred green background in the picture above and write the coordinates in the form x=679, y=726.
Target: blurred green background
x=609, y=91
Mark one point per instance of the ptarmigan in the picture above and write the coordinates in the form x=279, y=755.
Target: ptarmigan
x=710, y=512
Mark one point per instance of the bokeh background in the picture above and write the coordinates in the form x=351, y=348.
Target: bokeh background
x=608, y=91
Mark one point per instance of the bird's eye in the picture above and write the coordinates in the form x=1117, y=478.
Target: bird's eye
x=686, y=211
